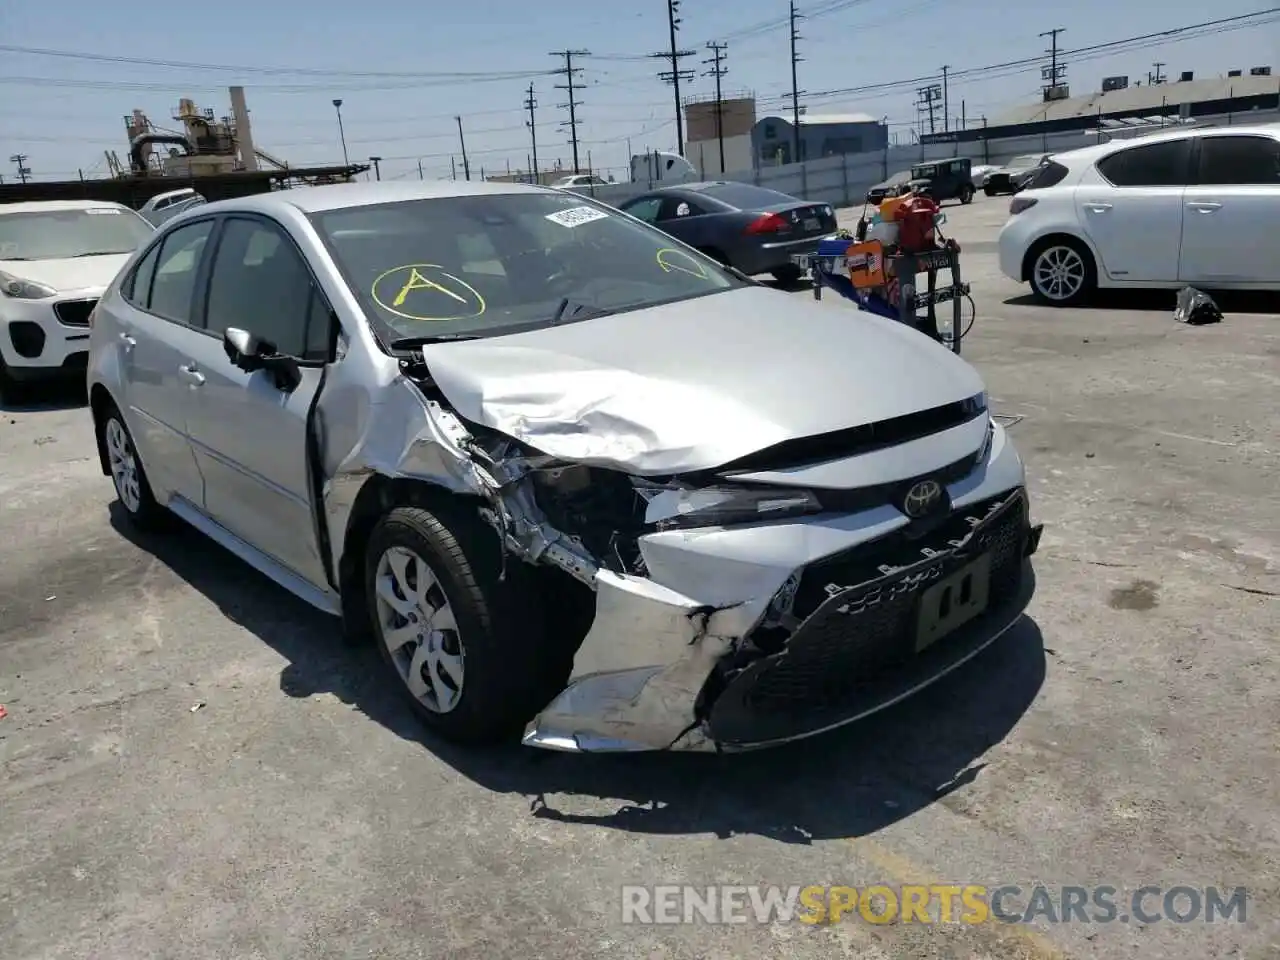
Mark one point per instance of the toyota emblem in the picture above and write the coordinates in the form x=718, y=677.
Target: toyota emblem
x=922, y=499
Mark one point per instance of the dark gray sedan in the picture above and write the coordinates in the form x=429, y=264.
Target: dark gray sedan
x=748, y=227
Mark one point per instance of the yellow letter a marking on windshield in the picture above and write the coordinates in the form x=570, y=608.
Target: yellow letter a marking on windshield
x=418, y=282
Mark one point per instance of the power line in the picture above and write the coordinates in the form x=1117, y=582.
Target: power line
x=795, y=88
x=675, y=74
x=569, y=71
x=274, y=71
x=993, y=71
x=718, y=71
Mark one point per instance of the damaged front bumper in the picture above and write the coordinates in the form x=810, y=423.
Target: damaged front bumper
x=798, y=627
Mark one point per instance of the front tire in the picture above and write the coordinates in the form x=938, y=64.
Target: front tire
x=966, y=195
x=1061, y=272
x=989, y=191
x=133, y=490
x=11, y=390
x=466, y=642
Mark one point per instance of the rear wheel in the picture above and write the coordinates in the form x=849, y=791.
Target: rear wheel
x=787, y=275
x=1062, y=272
x=989, y=191
x=966, y=194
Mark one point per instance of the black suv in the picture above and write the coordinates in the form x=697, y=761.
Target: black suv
x=944, y=179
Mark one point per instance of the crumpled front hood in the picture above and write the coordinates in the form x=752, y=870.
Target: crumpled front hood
x=694, y=385
x=81, y=273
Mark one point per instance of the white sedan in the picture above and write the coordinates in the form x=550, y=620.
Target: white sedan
x=1157, y=212
x=56, y=258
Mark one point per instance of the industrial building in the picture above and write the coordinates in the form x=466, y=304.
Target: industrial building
x=216, y=156
x=1233, y=95
x=708, y=121
x=821, y=135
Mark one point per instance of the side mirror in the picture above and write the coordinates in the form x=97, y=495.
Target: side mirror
x=250, y=353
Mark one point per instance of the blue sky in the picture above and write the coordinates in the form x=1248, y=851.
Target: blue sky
x=63, y=112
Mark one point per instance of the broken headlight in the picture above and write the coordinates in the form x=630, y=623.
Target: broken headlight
x=676, y=505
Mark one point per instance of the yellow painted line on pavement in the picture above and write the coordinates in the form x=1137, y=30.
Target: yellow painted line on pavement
x=904, y=871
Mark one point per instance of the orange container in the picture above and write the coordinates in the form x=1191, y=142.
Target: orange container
x=889, y=207
x=866, y=264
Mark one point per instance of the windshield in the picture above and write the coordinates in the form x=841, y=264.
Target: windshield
x=1030, y=160
x=486, y=265
x=61, y=234
x=924, y=172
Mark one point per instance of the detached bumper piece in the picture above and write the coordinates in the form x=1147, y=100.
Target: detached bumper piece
x=921, y=605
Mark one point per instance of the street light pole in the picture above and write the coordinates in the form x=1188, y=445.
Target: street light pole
x=337, y=105
x=377, y=170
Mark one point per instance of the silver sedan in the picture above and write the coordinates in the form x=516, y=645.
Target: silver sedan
x=577, y=480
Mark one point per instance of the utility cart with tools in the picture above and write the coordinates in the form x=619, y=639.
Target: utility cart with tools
x=885, y=276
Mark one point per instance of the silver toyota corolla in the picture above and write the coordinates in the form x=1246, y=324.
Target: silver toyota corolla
x=574, y=477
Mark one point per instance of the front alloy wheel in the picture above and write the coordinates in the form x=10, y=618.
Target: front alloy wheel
x=1061, y=275
x=416, y=623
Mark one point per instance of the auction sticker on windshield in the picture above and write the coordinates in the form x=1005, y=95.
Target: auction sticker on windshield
x=425, y=291
x=576, y=216
x=98, y=211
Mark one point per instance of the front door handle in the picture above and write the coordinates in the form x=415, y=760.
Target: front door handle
x=1204, y=206
x=191, y=374
x=1097, y=207
x=127, y=341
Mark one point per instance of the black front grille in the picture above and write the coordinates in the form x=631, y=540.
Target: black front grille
x=74, y=313
x=859, y=613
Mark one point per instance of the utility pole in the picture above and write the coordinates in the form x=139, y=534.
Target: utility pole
x=717, y=71
x=342, y=136
x=1053, y=73
x=531, y=104
x=795, y=88
x=453, y=167
x=675, y=74
x=420, y=176
x=24, y=172
x=569, y=71
x=926, y=102
x=462, y=141
x=946, y=101
x=1156, y=77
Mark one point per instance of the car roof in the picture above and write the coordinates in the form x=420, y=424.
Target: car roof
x=1097, y=151
x=344, y=195
x=47, y=206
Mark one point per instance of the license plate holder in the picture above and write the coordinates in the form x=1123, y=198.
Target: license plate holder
x=949, y=604
x=811, y=224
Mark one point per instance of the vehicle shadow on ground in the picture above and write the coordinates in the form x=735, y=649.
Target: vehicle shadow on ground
x=848, y=783
x=46, y=398
x=1163, y=301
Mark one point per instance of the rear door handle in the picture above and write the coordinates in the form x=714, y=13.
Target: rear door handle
x=191, y=374
x=1204, y=206
x=1097, y=207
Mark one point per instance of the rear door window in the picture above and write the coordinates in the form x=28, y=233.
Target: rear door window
x=645, y=209
x=1164, y=164
x=174, y=284
x=1239, y=161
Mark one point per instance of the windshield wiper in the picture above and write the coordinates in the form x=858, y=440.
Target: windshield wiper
x=409, y=343
x=98, y=253
x=568, y=309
